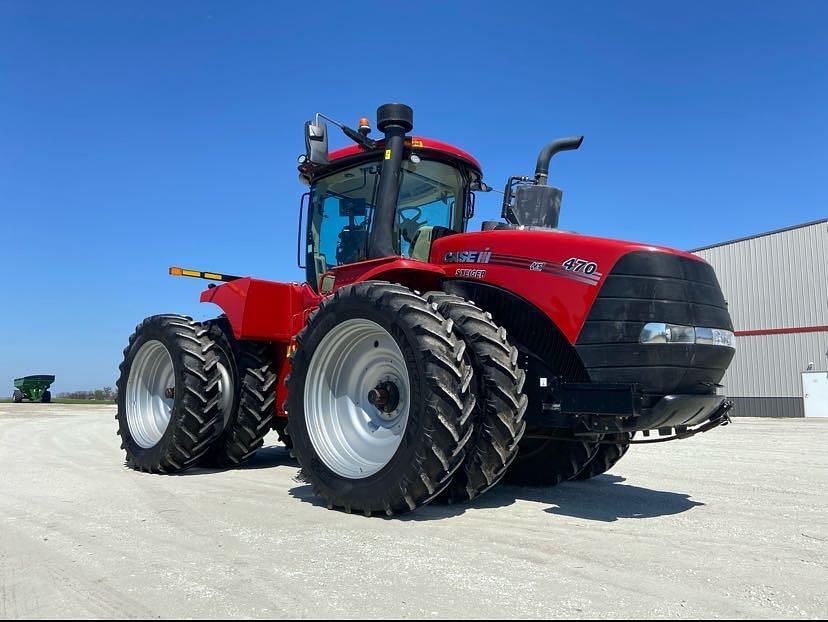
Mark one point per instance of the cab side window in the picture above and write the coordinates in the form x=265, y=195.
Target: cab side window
x=431, y=194
x=341, y=205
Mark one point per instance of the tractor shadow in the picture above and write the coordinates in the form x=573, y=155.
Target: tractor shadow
x=264, y=458
x=605, y=498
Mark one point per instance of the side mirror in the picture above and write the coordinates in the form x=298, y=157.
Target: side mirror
x=479, y=185
x=537, y=206
x=316, y=142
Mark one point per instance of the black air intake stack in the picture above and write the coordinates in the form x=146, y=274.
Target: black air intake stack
x=395, y=121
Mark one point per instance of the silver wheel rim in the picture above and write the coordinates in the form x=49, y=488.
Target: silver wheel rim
x=354, y=438
x=148, y=405
x=226, y=393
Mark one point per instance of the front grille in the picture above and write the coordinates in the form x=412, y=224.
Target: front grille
x=652, y=286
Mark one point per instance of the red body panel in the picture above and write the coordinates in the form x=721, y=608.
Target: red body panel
x=266, y=311
x=263, y=310
x=530, y=264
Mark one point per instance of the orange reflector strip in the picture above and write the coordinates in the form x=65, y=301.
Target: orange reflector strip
x=196, y=274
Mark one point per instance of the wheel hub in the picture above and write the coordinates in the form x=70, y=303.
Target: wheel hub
x=385, y=397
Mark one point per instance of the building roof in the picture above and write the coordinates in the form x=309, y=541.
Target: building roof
x=761, y=235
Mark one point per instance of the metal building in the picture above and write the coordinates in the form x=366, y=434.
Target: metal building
x=776, y=285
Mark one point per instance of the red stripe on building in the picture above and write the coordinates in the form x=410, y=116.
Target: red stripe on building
x=781, y=331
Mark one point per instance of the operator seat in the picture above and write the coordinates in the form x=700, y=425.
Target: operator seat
x=352, y=246
x=424, y=238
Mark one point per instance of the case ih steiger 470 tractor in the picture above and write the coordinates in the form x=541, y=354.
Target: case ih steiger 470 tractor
x=421, y=360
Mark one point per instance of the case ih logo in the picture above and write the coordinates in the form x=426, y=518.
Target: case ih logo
x=576, y=269
x=467, y=256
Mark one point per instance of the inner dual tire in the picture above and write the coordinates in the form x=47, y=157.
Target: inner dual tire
x=379, y=403
x=249, y=403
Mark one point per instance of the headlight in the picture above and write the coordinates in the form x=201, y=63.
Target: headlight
x=661, y=332
x=715, y=337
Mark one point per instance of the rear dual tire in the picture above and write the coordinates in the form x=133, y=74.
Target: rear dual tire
x=190, y=393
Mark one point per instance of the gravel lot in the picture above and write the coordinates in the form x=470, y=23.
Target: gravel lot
x=733, y=523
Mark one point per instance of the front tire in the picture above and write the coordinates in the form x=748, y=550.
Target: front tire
x=46, y=397
x=17, y=396
x=168, y=394
x=378, y=400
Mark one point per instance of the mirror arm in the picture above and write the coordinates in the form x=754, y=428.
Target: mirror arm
x=360, y=139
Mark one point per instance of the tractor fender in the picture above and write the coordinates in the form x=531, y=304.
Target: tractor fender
x=415, y=274
x=262, y=310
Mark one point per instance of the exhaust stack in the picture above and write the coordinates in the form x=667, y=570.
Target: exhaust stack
x=562, y=144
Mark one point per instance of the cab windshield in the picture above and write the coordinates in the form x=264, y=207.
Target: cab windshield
x=431, y=194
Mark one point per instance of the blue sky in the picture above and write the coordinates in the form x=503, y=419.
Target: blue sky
x=136, y=135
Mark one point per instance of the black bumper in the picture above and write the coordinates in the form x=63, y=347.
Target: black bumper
x=607, y=408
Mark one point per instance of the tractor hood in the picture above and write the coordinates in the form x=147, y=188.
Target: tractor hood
x=559, y=272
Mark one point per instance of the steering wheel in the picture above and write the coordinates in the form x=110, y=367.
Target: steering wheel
x=410, y=224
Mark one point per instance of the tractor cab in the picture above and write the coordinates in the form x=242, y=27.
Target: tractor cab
x=431, y=197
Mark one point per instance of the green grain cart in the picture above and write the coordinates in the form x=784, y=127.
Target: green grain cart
x=33, y=388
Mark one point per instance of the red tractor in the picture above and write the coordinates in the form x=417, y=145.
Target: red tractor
x=421, y=360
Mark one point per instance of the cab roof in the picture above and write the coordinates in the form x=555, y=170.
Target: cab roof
x=413, y=142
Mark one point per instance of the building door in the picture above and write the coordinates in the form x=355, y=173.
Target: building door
x=815, y=392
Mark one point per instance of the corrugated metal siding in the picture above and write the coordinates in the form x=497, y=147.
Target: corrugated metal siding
x=775, y=281
x=768, y=407
x=771, y=365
